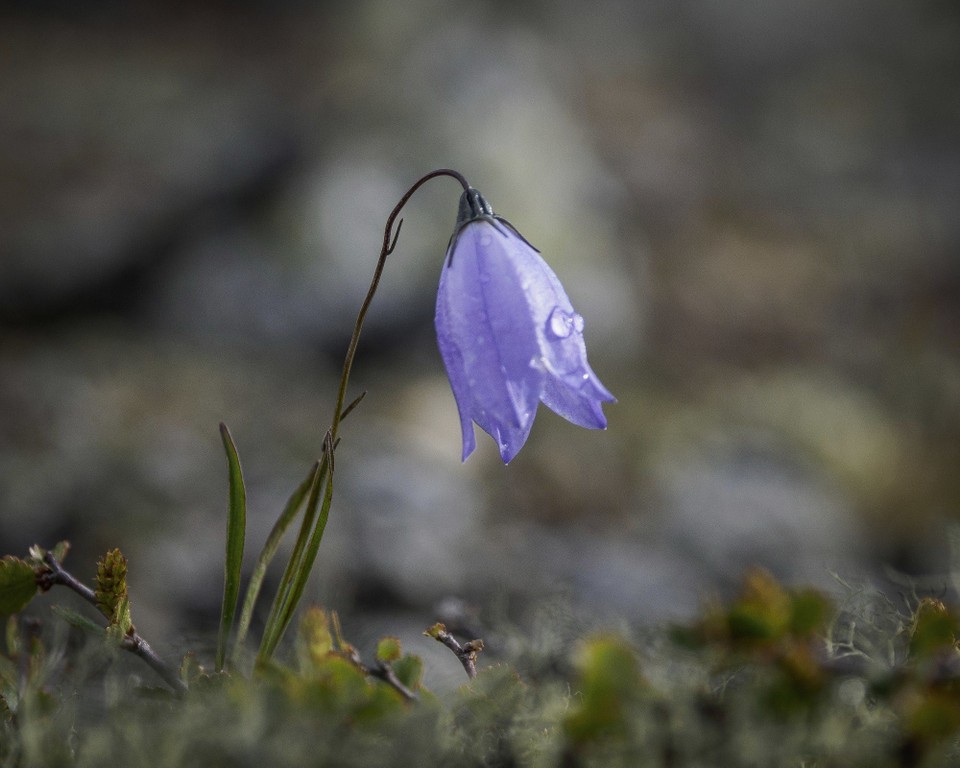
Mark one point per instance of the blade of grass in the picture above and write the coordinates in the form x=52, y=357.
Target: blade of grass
x=236, y=530
x=293, y=506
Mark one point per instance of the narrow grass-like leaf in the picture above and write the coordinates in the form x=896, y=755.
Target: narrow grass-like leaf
x=293, y=506
x=304, y=554
x=353, y=404
x=272, y=630
x=236, y=530
x=309, y=557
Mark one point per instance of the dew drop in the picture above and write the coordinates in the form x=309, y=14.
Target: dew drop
x=485, y=240
x=560, y=323
x=578, y=323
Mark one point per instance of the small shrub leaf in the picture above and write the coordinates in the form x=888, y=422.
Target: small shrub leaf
x=18, y=584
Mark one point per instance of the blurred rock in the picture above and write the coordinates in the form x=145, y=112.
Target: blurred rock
x=753, y=208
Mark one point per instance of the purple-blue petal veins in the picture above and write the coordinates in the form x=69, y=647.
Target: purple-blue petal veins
x=510, y=338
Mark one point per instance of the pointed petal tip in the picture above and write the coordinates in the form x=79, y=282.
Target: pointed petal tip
x=469, y=442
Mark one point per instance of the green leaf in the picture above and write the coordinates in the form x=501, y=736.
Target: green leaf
x=609, y=677
x=388, y=649
x=8, y=672
x=301, y=560
x=809, y=612
x=77, y=620
x=12, y=636
x=934, y=630
x=236, y=530
x=435, y=631
x=60, y=550
x=409, y=671
x=190, y=669
x=305, y=565
x=121, y=616
x=314, y=639
x=18, y=584
x=294, y=503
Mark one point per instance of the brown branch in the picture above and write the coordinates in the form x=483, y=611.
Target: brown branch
x=383, y=671
x=132, y=642
x=466, y=653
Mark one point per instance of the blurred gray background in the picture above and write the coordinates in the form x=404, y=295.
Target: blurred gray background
x=754, y=206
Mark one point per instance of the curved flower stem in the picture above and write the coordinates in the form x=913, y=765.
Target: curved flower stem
x=133, y=642
x=318, y=488
x=390, y=236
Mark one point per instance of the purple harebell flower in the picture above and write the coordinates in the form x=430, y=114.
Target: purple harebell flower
x=508, y=335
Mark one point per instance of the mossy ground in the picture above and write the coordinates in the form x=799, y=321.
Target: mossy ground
x=774, y=677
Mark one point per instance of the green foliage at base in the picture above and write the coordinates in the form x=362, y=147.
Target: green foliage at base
x=774, y=677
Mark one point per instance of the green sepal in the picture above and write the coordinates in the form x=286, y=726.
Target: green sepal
x=18, y=584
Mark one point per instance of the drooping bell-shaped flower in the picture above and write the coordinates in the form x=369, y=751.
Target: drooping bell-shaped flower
x=508, y=335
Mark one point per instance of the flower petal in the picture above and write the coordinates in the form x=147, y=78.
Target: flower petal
x=579, y=407
x=571, y=388
x=508, y=334
x=487, y=337
x=457, y=375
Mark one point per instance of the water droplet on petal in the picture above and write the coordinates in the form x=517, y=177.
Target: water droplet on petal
x=578, y=323
x=561, y=323
x=485, y=240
